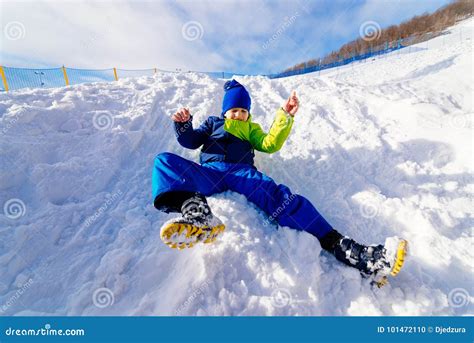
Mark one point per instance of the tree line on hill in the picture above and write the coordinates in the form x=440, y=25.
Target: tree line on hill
x=418, y=28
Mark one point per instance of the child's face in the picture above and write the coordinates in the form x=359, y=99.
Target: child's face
x=237, y=114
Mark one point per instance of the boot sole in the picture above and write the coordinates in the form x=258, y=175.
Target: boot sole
x=400, y=255
x=184, y=235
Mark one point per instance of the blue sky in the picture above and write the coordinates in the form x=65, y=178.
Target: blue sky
x=247, y=36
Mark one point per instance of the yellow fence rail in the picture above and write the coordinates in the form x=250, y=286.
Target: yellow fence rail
x=4, y=79
x=66, y=80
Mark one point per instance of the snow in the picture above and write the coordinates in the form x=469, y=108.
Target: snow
x=382, y=148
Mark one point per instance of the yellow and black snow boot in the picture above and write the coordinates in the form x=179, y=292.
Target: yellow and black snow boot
x=197, y=224
x=376, y=261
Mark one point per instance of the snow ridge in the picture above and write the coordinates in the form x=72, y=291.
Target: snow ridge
x=381, y=148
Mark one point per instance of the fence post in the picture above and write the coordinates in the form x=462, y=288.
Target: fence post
x=115, y=74
x=4, y=79
x=66, y=79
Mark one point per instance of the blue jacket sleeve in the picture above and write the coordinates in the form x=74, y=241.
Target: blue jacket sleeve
x=190, y=138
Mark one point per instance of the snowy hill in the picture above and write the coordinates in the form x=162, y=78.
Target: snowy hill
x=381, y=148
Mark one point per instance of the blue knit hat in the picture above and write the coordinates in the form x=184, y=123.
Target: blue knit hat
x=235, y=96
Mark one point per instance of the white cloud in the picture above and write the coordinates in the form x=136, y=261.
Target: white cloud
x=147, y=34
x=101, y=35
x=142, y=34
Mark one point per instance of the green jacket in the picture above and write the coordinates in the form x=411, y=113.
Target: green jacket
x=252, y=132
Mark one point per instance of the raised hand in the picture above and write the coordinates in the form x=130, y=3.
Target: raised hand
x=292, y=104
x=182, y=115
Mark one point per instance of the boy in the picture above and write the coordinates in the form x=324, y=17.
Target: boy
x=226, y=163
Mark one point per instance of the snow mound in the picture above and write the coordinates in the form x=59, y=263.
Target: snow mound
x=382, y=148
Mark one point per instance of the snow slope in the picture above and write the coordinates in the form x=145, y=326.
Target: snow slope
x=382, y=148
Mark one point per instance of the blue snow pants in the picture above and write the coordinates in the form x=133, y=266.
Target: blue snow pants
x=174, y=173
